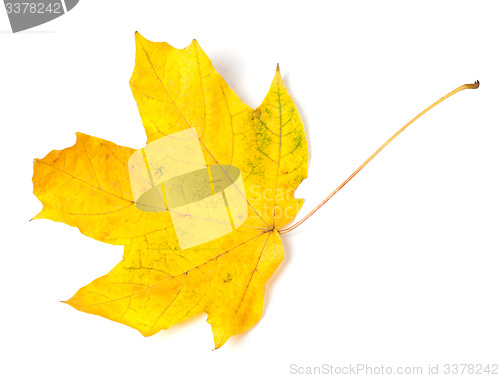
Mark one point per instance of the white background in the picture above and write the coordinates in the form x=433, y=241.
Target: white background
x=401, y=268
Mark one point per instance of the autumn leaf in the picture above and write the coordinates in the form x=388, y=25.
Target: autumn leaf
x=162, y=280
x=158, y=284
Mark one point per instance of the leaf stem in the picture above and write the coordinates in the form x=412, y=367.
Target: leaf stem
x=293, y=227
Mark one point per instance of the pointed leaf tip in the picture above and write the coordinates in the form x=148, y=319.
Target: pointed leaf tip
x=278, y=67
x=38, y=216
x=139, y=37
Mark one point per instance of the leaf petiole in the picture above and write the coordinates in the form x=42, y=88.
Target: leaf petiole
x=293, y=227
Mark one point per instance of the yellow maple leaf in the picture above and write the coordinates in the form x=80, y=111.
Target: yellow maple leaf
x=162, y=279
x=158, y=284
